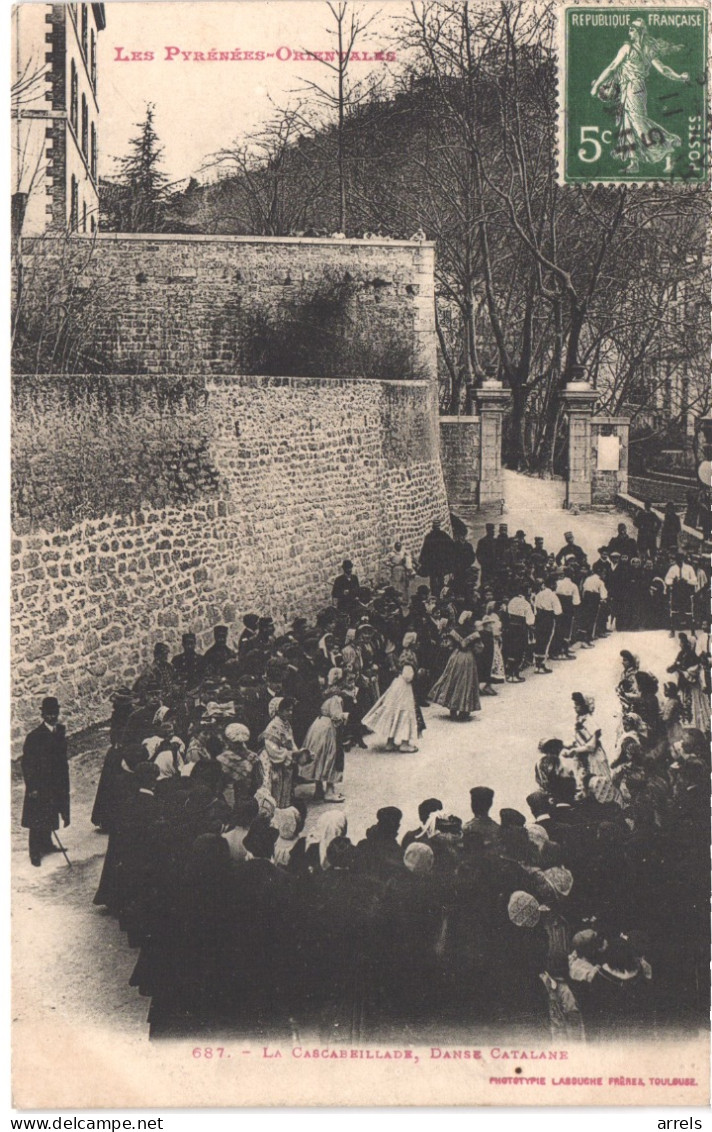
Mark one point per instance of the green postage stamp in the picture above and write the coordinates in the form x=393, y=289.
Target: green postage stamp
x=633, y=93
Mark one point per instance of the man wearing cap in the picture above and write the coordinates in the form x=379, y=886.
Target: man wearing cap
x=539, y=556
x=219, y=652
x=503, y=548
x=46, y=773
x=160, y=674
x=648, y=526
x=481, y=829
x=436, y=557
x=570, y=549
x=463, y=576
x=345, y=590
x=189, y=665
x=248, y=634
x=487, y=554
x=263, y=642
x=623, y=543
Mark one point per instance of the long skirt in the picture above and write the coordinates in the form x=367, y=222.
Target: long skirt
x=497, y=675
x=399, y=580
x=393, y=718
x=323, y=744
x=104, y=809
x=458, y=687
x=698, y=707
x=281, y=779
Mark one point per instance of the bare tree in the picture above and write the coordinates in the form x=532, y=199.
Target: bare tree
x=342, y=98
x=274, y=181
x=529, y=269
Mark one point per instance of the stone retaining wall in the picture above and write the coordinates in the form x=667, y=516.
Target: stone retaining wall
x=212, y=304
x=302, y=472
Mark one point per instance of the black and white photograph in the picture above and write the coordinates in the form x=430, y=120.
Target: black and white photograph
x=339, y=424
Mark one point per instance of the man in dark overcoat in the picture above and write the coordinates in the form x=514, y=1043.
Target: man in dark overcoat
x=46, y=773
x=436, y=557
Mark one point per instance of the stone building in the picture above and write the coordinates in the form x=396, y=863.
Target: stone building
x=55, y=117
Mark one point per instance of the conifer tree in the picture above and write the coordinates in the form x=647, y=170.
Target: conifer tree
x=136, y=200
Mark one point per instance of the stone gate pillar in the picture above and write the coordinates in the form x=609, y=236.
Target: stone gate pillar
x=579, y=398
x=492, y=399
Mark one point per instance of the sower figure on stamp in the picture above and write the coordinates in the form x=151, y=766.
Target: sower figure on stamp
x=46, y=773
x=623, y=83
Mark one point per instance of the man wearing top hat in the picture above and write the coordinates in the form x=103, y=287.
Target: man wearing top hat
x=46, y=773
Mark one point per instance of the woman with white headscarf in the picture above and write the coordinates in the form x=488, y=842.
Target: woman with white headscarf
x=289, y=824
x=695, y=701
x=409, y=655
x=329, y=825
x=238, y=762
x=393, y=718
x=351, y=659
x=587, y=747
x=165, y=748
x=492, y=627
x=400, y=565
x=458, y=688
x=326, y=748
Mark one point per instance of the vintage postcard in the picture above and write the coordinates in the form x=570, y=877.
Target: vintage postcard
x=359, y=385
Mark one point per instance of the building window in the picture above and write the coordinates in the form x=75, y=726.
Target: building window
x=74, y=205
x=73, y=97
x=92, y=151
x=85, y=31
x=85, y=128
x=84, y=216
x=92, y=59
x=92, y=223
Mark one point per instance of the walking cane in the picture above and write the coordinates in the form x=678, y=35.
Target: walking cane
x=59, y=843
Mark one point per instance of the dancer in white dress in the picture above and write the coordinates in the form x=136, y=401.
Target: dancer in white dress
x=393, y=718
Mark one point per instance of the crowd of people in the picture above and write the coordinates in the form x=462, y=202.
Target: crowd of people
x=586, y=915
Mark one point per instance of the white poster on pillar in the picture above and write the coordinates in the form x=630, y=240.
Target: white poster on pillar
x=609, y=453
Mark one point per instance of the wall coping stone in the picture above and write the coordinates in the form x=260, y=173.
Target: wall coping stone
x=201, y=238
x=463, y=418
x=626, y=501
x=253, y=379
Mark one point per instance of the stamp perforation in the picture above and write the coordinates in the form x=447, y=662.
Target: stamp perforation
x=634, y=48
